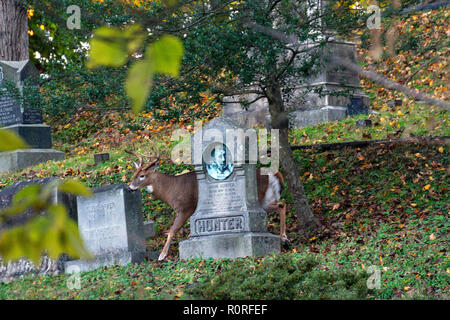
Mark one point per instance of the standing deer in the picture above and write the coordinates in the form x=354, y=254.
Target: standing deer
x=180, y=193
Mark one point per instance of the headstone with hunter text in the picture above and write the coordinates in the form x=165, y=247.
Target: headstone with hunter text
x=229, y=221
x=28, y=123
x=111, y=226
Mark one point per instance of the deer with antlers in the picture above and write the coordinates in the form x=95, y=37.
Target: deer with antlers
x=180, y=192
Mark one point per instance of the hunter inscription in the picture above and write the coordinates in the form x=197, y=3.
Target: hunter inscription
x=206, y=226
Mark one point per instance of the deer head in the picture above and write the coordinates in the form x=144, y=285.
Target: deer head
x=145, y=174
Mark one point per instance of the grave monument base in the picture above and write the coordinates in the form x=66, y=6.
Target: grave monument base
x=104, y=260
x=22, y=158
x=234, y=245
x=37, y=136
x=303, y=118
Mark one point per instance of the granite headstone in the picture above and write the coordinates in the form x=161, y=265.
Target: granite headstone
x=228, y=221
x=23, y=267
x=111, y=226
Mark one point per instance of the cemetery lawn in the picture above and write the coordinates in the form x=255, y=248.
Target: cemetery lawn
x=383, y=209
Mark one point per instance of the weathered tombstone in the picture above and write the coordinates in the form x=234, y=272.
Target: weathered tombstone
x=228, y=221
x=32, y=116
x=111, y=226
x=27, y=124
x=364, y=123
x=100, y=157
x=357, y=106
x=395, y=103
x=23, y=267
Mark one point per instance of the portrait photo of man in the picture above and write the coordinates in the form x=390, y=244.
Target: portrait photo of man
x=217, y=167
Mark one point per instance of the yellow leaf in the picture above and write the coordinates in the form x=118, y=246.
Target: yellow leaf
x=75, y=187
x=11, y=141
x=427, y=187
x=441, y=149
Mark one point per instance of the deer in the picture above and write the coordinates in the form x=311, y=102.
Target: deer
x=180, y=192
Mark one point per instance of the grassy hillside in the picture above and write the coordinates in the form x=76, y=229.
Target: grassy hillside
x=382, y=208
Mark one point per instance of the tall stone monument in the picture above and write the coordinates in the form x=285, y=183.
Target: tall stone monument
x=331, y=93
x=26, y=123
x=228, y=222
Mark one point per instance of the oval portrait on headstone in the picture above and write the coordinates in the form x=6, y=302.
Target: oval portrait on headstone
x=218, y=162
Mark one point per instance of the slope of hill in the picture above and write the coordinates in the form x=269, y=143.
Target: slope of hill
x=384, y=209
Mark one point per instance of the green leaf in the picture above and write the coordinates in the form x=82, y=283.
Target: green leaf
x=75, y=187
x=54, y=233
x=11, y=141
x=170, y=3
x=138, y=83
x=111, y=46
x=166, y=54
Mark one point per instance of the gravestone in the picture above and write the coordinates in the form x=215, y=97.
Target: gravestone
x=101, y=157
x=32, y=116
x=229, y=221
x=23, y=267
x=356, y=106
x=27, y=124
x=364, y=123
x=111, y=226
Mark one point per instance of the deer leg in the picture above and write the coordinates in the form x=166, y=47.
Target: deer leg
x=177, y=224
x=280, y=208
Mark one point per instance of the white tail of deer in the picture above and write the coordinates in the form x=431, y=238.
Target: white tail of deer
x=180, y=193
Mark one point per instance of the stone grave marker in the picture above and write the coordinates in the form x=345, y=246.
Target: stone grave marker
x=22, y=267
x=228, y=221
x=364, y=123
x=32, y=116
x=357, y=106
x=101, y=157
x=28, y=124
x=111, y=226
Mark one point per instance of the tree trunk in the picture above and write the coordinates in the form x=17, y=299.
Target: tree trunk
x=13, y=31
x=306, y=218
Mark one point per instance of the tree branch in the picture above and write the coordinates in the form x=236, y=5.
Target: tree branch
x=426, y=6
x=369, y=74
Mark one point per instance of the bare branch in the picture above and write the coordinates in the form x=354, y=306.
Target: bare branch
x=369, y=74
x=374, y=76
x=426, y=6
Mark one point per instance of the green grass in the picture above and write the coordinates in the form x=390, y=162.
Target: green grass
x=391, y=123
x=380, y=206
